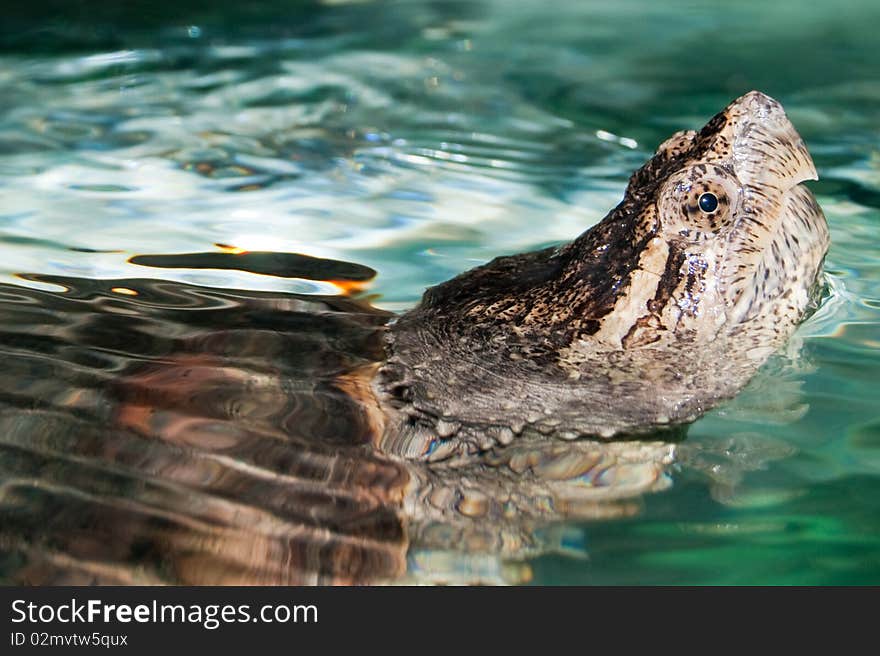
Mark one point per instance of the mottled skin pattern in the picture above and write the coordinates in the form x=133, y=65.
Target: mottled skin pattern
x=644, y=322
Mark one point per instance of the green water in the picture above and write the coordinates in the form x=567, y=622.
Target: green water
x=422, y=138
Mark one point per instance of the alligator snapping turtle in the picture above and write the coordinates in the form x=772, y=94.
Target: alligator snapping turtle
x=214, y=436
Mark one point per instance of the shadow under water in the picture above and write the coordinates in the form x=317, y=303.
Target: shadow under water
x=161, y=432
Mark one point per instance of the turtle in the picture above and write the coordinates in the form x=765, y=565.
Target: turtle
x=163, y=432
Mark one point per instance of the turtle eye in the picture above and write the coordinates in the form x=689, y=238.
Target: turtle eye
x=708, y=202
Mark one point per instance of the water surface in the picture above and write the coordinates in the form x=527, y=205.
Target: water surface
x=417, y=139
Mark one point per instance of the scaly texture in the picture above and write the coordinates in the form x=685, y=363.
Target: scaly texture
x=648, y=319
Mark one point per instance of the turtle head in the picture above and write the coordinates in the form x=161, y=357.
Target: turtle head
x=737, y=240
x=649, y=318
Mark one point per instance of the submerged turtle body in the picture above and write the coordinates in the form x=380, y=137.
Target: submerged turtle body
x=211, y=436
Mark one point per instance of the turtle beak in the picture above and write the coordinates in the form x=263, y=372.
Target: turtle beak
x=770, y=161
x=767, y=150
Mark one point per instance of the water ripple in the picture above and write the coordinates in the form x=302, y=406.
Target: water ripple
x=417, y=140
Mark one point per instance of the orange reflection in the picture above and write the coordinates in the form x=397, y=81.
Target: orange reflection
x=234, y=250
x=349, y=287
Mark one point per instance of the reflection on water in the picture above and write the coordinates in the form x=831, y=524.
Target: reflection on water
x=154, y=431
x=151, y=415
x=186, y=434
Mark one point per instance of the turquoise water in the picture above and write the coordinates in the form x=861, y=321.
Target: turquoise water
x=423, y=138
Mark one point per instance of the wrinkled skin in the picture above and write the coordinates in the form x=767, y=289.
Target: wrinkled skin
x=644, y=322
x=190, y=435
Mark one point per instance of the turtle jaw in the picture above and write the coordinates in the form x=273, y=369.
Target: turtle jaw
x=767, y=150
x=770, y=161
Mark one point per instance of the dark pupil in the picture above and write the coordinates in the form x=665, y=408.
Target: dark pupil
x=708, y=202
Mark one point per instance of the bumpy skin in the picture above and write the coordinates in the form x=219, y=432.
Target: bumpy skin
x=644, y=322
